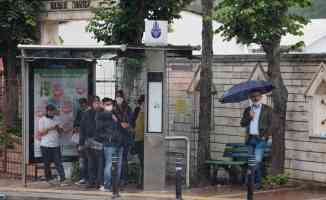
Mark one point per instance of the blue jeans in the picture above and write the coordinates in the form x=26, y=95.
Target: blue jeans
x=109, y=152
x=257, y=147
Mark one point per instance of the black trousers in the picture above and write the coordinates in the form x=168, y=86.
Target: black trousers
x=83, y=165
x=95, y=159
x=49, y=155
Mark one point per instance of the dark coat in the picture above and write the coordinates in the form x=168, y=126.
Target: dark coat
x=79, y=117
x=264, y=122
x=107, y=130
x=87, y=126
x=124, y=114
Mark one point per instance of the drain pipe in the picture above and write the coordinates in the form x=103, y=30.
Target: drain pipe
x=186, y=139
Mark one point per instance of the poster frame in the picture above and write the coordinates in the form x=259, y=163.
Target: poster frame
x=44, y=64
x=158, y=78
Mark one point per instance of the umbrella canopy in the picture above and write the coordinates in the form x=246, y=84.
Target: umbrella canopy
x=241, y=91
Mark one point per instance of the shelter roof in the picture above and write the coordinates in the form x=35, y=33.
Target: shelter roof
x=100, y=52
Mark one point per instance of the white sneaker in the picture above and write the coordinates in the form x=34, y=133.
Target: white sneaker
x=81, y=182
x=103, y=189
x=64, y=183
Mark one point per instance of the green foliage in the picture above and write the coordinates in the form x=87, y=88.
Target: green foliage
x=75, y=171
x=123, y=21
x=259, y=21
x=18, y=21
x=275, y=181
x=10, y=132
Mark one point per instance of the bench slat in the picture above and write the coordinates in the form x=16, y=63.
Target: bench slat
x=225, y=162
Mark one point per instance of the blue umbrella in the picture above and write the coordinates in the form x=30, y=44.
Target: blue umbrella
x=241, y=91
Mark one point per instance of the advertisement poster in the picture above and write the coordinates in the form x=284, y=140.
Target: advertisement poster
x=61, y=88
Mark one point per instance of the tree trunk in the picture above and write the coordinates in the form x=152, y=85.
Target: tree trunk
x=10, y=107
x=205, y=90
x=279, y=99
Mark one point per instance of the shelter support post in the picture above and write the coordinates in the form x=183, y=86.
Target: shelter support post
x=25, y=118
x=155, y=123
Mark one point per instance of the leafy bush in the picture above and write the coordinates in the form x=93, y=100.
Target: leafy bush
x=12, y=132
x=275, y=181
x=75, y=171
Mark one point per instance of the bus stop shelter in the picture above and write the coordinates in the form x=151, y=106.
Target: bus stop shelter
x=62, y=74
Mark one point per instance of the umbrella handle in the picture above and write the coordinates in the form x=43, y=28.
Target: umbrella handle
x=323, y=102
x=323, y=122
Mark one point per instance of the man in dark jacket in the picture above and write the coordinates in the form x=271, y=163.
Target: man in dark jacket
x=108, y=134
x=124, y=115
x=82, y=154
x=93, y=149
x=257, y=119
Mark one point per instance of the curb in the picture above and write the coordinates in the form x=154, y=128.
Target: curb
x=87, y=194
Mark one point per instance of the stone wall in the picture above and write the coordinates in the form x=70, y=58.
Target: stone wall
x=180, y=72
x=305, y=153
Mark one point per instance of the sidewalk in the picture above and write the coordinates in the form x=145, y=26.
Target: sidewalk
x=40, y=191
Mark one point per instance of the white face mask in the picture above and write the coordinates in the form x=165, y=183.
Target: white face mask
x=119, y=100
x=108, y=108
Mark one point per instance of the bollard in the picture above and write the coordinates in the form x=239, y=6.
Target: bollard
x=3, y=196
x=115, y=178
x=251, y=177
x=178, y=179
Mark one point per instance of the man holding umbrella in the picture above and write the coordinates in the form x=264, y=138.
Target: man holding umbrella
x=257, y=119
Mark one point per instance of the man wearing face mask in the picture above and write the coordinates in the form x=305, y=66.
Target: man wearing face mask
x=257, y=119
x=124, y=116
x=108, y=134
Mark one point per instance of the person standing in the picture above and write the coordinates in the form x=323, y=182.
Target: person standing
x=124, y=116
x=82, y=154
x=257, y=119
x=49, y=128
x=93, y=149
x=107, y=128
x=139, y=121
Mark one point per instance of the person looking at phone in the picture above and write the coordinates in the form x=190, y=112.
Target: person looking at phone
x=49, y=129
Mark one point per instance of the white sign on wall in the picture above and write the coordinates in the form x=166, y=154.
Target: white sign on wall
x=156, y=32
x=155, y=107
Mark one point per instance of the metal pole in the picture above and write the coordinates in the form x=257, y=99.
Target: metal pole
x=116, y=177
x=25, y=115
x=186, y=139
x=251, y=177
x=178, y=179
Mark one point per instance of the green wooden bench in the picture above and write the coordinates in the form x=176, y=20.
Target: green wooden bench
x=235, y=161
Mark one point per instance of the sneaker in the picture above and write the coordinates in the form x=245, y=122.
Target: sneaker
x=64, y=183
x=103, y=189
x=53, y=182
x=81, y=182
x=88, y=186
